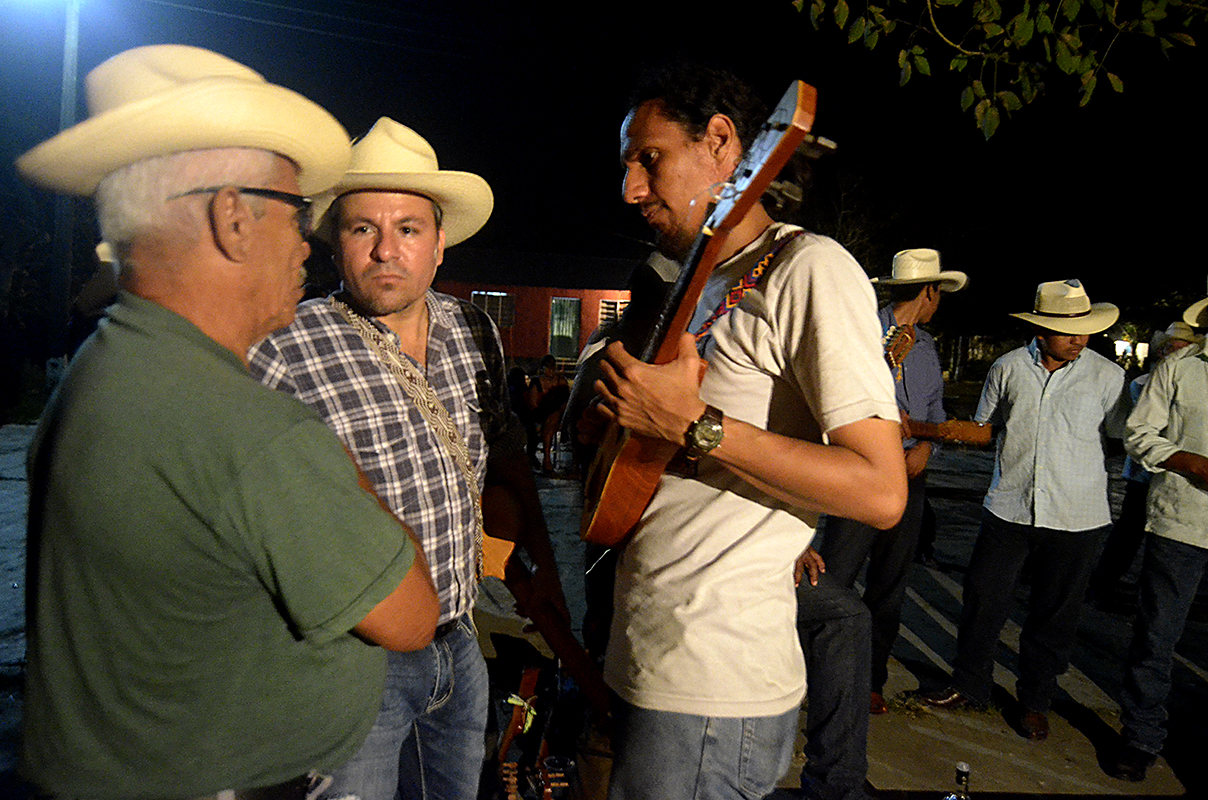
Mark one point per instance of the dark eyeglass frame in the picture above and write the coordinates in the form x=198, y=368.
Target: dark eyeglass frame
x=299, y=202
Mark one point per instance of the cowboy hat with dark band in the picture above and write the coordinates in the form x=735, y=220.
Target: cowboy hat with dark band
x=394, y=158
x=1063, y=307
x=164, y=99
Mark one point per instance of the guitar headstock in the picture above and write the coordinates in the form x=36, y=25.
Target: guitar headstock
x=786, y=130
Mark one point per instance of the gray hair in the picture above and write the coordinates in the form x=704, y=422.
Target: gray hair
x=134, y=201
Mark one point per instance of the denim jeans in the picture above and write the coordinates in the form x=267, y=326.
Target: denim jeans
x=834, y=624
x=662, y=755
x=890, y=554
x=1170, y=575
x=1061, y=564
x=428, y=740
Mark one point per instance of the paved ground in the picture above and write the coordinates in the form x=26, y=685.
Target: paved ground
x=911, y=750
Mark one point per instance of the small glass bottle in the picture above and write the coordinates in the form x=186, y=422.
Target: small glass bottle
x=962, y=783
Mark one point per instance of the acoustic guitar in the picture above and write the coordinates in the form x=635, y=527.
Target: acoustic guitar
x=626, y=470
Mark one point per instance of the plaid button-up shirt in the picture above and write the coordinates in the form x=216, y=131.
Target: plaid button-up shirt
x=322, y=360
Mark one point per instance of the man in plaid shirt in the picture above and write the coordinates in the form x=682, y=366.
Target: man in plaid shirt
x=352, y=357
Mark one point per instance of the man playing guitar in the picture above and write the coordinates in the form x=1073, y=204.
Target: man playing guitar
x=795, y=416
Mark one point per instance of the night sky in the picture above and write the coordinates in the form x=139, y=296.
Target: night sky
x=531, y=96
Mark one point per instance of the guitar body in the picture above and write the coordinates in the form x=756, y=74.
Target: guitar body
x=625, y=474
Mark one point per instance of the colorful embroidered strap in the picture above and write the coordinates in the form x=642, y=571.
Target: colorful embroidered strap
x=745, y=284
x=430, y=407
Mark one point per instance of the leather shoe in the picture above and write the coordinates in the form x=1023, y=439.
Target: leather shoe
x=947, y=698
x=1129, y=763
x=1034, y=725
x=877, y=704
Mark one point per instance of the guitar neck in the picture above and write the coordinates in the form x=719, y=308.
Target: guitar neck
x=954, y=431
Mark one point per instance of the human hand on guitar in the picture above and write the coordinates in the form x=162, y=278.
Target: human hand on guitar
x=656, y=400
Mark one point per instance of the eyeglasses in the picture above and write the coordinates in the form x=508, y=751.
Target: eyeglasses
x=302, y=204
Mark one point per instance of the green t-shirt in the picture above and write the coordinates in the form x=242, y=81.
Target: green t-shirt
x=199, y=550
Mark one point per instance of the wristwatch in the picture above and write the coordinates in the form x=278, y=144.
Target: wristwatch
x=704, y=434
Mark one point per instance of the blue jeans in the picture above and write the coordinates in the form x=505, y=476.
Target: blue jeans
x=1170, y=575
x=428, y=740
x=662, y=755
x=1061, y=564
x=834, y=626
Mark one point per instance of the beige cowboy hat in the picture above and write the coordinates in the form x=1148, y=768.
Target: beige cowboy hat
x=163, y=99
x=1196, y=314
x=394, y=158
x=922, y=265
x=1177, y=331
x=1063, y=307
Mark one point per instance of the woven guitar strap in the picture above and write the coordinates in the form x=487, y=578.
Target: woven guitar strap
x=433, y=411
x=745, y=284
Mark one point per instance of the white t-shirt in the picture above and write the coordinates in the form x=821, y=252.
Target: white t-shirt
x=705, y=619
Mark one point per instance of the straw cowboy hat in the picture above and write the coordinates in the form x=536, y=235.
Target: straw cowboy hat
x=1177, y=331
x=1196, y=314
x=163, y=99
x=922, y=265
x=394, y=158
x=1063, y=307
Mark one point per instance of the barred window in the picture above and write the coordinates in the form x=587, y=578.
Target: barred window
x=500, y=306
x=564, y=327
x=611, y=310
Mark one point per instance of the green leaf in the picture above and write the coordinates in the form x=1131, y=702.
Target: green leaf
x=1097, y=5
x=1166, y=46
x=1116, y=83
x=815, y=16
x=989, y=122
x=889, y=26
x=1044, y=23
x=1067, y=62
x=799, y=5
x=1146, y=27
x=948, y=2
x=841, y=12
x=1071, y=8
x=993, y=29
x=1009, y=100
x=856, y=32
x=966, y=98
x=902, y=56
x=922, y=65
x=958, y=64
x=1087, y=62
x=917, y=50
x=1088, y=88
x=1048, y=51
x=905, y=76
x=1024, y=29
x=1183, y=38
x=979, y=89
x=870, y=41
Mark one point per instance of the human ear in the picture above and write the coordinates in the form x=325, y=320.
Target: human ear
x=231, y=223
x=722, y=138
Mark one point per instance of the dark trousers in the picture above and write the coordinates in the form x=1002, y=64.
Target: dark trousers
x=890, y=555
x=834, y=629
x=1170, y=575
x=1123, y=542
x=1059, y=564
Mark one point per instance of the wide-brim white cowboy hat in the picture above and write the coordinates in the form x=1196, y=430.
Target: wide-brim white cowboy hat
x=1064, y=307
x=922, y=265
x=163, y=99
x=394, y=158
x=1177, y=331
x=1196, y=314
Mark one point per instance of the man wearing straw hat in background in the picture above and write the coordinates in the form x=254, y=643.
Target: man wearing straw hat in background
x=1168, y=435
x=414, y=383
x=1052, y=402
x=915, y=288
x=205, y=573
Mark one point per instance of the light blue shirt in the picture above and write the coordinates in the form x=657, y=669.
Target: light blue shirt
x=1172, y=415
x=1049, y=468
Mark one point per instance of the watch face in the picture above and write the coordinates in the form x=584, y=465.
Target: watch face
x=706, y=434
